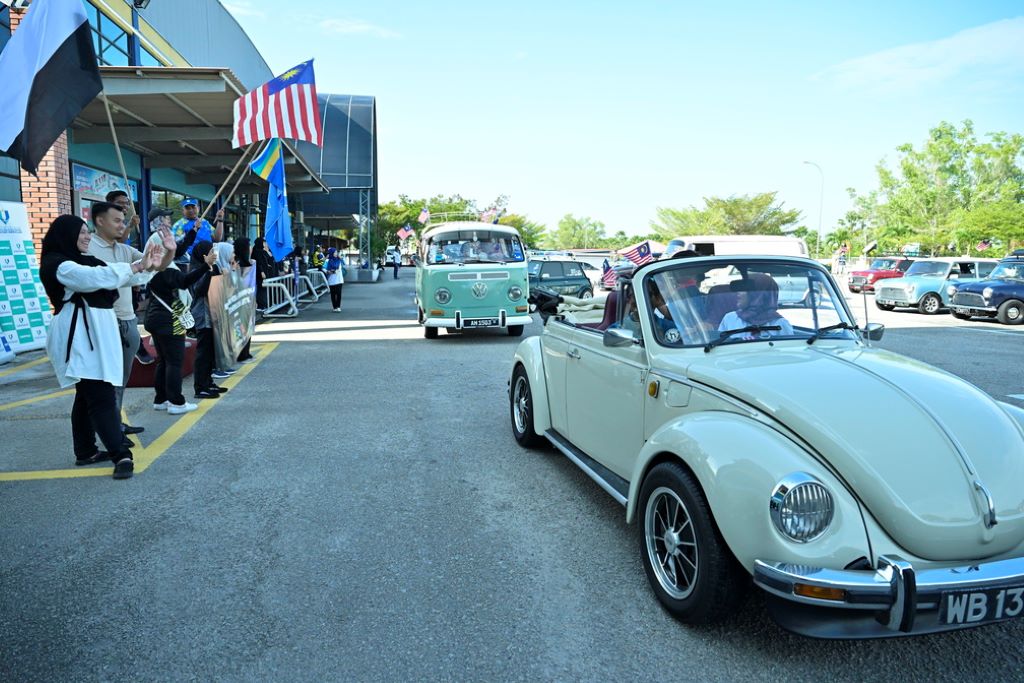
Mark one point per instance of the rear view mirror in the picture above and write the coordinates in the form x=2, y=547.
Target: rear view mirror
x=874, y=331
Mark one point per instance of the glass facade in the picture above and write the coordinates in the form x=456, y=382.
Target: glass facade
x=109, y=41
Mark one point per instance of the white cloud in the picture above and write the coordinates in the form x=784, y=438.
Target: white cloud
x=987, y=51
x=243, y=8
x=356, y=26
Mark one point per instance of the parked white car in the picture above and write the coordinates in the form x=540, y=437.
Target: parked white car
x=867, y=493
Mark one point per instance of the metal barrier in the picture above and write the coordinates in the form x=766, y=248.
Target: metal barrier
x=279, y=297
x=317, y=285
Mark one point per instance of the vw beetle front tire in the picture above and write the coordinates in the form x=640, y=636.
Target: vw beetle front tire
x=692, y=571
x=520, y=398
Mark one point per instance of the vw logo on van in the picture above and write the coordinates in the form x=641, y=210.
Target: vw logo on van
x=480, y=290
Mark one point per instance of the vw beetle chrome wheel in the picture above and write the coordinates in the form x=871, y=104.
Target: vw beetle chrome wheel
x=520, y=397
x=521, y=404
x=671, y=543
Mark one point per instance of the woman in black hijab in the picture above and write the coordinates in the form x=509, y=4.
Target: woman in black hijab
x=202, y=372
x=265, y=268
x=83, y=342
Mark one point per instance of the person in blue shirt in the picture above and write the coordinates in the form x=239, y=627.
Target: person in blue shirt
x=205, y=232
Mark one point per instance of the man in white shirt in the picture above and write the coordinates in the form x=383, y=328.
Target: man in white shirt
x=106, y=245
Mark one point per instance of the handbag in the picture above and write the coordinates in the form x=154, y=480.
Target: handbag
x=183, y=316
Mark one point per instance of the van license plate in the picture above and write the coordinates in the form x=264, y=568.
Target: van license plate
x=480, y=322
x=977, y=607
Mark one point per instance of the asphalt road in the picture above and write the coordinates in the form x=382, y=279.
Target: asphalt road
x=356, y=509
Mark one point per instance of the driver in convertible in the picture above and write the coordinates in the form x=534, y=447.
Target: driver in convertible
x=757, y=305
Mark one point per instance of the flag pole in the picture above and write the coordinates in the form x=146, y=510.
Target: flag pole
x=242, y=175
x=220, y=190
x=120, y=159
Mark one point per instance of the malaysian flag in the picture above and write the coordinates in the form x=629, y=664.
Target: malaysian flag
x=608, y=275
x=640, y=254
x=983, y=245
x=424, y=216
x=285, y=107
x=404, y=232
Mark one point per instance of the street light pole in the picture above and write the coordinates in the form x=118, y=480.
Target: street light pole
x=821, y=202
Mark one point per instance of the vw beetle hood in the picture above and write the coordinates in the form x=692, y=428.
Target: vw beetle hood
x=910, y=440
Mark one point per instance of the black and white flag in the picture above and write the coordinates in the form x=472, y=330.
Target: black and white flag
x=49, y=74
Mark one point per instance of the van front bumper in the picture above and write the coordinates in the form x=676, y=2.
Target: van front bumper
x=460, y=323
x=892, y=600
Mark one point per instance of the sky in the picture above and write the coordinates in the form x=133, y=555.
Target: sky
x=611, y=110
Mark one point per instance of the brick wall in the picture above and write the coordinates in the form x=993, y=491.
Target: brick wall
x=49, y=195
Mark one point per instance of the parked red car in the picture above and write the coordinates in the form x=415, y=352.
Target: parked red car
x=881, y=268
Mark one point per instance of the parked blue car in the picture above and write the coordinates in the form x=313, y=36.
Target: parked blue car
x=1001, y=296
x=925, y=284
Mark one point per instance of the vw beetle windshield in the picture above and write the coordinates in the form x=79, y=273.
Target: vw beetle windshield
x=697, y=305
x=473, y=246
x=928, y=268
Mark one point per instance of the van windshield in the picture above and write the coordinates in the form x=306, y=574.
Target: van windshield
x=473, y=246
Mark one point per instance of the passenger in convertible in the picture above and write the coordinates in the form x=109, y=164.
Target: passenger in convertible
x=757, y=304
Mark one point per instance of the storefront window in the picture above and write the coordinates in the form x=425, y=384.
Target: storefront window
x=109, y=41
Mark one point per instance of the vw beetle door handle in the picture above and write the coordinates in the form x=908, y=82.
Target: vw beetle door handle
x=573, y=353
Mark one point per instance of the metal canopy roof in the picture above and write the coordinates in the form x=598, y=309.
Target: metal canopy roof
x=182, y=118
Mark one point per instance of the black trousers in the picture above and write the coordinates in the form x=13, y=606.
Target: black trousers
x=171, y=350
x=202, y=375
x=336, y=296
x=95, y=413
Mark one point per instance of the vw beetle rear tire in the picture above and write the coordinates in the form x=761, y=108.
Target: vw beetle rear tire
x=520, y=398
x=885, y=307
x=430, y=332
x=515, y=330
x=1011, y=312
x=710, y=584
x=930, y=304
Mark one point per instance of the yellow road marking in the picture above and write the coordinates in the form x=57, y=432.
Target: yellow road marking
x=144, y=457
x=24, y=366
x=36, y=399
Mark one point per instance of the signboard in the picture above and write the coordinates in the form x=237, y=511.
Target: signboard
x=24, y=309
x=95, y=184
x=233, y=312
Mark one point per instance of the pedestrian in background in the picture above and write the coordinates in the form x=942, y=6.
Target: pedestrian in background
x=204, y=231
x=335, y=277
x=266, y=268
x=106, y=245
x=248, y=269
x=202, y=372
x=83, y=339
x=121, y=199
x=166, y=320
x=226, y=264
x=396, y=259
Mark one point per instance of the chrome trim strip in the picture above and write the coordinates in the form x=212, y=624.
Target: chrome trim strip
x=569, y=451
x=990, y=518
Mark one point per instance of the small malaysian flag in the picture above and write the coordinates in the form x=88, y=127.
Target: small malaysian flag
x=609, y=277
x=424, y=216
x=404, y=232
x=640, y=254
x=285, y=107
x=983, y=245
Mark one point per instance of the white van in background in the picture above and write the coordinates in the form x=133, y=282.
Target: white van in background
x=732, y=245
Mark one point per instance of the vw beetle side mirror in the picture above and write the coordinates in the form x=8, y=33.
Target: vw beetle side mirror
x=874, y=331
x=617, y=336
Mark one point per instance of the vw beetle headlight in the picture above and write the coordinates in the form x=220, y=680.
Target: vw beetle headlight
x=987, y=292
x=442, y=296
x=515, y=293
x=801, y=507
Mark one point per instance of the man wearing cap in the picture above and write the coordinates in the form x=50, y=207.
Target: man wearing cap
x=205, y=231
x=106, y=245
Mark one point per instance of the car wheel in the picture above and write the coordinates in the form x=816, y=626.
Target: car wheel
x=587, y=294
x=430, y=332
x=885, y=307
x=930, y=304
x=521, y=408
x=1011, y=312
x=691, y=570
x=961, y=316
x=515, y=330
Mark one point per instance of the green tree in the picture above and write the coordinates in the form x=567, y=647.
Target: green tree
x=533, y=234
x=573, y=232
x=759, y=214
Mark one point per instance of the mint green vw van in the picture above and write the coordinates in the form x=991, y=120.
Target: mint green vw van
x=471, y=275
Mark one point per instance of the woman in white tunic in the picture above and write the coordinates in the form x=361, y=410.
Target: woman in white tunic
x=84, y=343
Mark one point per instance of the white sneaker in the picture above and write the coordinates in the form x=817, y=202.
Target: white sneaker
x=182, y=409
x=337, y=310
x=161, y=406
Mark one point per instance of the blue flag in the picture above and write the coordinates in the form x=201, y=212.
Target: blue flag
x=278, y=224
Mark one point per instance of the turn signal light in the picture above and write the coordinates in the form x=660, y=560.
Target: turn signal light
x=820, y=592
x=436, y=311
x=522, y=309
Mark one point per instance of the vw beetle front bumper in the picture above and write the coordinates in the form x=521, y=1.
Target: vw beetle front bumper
x=892, y=600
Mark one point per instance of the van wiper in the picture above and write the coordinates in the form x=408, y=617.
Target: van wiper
x=724, y=335
x=830, y=328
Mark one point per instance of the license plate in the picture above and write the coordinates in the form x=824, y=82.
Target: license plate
x=480, y=322
x=960, y=309
x=977, y=607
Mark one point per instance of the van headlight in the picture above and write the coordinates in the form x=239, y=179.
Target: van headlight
x=515, y=293
x=801, y=507
x=987, y=292
x=442, y=296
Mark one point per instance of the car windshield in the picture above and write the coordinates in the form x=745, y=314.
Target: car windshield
x=1008, y=271
x=884, y=264
x=931, y=268
x=709, y=305
x=473, y=246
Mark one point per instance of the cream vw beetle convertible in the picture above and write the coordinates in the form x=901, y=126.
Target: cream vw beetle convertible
x=733, y=406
